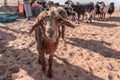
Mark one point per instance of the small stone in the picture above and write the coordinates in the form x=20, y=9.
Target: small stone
x=76, y=76
x=64, y=71
x=110, y=77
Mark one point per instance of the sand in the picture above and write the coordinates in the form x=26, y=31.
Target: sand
x=91, y=52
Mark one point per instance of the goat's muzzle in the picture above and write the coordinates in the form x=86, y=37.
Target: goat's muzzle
x=50, y=33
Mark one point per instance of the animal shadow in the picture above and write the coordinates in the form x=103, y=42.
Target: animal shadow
x=101, y=24
x=96, y=46
x=116, y=19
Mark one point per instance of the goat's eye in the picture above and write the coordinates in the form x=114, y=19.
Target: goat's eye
x=48, y=17
x=43, y=22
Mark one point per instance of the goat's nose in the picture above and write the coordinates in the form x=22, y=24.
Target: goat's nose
x=50, y=32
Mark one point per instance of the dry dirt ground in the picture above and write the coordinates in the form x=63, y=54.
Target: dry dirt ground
x=91, y=52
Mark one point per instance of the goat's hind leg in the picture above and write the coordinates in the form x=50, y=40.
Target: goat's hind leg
x=63, y=33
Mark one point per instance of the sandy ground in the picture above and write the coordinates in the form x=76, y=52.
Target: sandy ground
x=91, y=52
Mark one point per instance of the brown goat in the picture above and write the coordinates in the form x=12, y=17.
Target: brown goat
x=47, y=35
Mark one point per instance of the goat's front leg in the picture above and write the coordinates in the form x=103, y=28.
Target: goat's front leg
x=104, y=15
x=78, y=19
x=43, y=62
x=50, y=66
x=41, y=59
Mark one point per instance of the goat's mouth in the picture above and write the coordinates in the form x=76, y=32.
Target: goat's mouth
x=51, y=39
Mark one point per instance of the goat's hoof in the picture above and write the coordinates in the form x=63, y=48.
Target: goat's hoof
x=50, y=75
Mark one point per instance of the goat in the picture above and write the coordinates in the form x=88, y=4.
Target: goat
x=101, y=10
x=80, y=9
x=69, y=3
x=111, y=8
x=47, y=36
x=70, y=13
x=90, y=15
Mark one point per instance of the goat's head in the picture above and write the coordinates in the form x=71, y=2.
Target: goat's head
x=50, y=21
x=50, y=4
x=112, y=4
x=101, y=5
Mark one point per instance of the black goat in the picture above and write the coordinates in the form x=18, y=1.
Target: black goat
x=111, y=9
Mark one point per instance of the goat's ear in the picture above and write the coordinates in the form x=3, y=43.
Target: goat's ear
x=67, y=23
x=36, y=23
